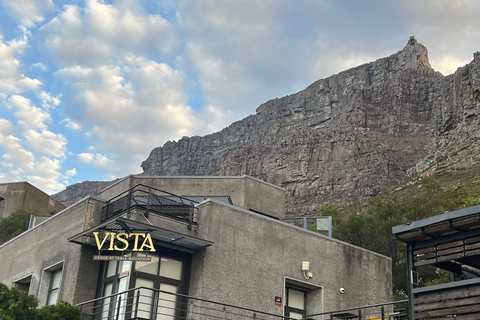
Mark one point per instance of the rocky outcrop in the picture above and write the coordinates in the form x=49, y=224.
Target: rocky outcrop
x=80, y=190
x=342, y=139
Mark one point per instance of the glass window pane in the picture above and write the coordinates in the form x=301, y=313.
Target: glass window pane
x=52, y=297
x=296, y=299
x=147, y=266
x=295, y=315
x=123, y=284
x=166, y=302
x=56, y=277
x=107, y=290
x=111, y=268
x=145, y=302
x=171, y=268
x=125, y=267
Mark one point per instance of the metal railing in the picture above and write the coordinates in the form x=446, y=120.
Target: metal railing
x=383, y=311
x=318, y=224
x=153, y=304
x=150, y=200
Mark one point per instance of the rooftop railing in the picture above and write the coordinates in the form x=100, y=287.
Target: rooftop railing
x=150, y=200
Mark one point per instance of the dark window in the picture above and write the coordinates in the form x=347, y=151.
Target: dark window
x=2, y=207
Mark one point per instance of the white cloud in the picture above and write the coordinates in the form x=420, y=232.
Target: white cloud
x=93, y=35
x=28, y=116
x=128, y=109
x=71, y=172
x=48, y=101
x=40, y=66
x=97, y=159
x=6, y=127
x=28, y=12
x=12, y=81
x=70, y=124
x=46, y=142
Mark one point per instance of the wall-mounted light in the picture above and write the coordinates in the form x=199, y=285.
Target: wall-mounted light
x=306, y=270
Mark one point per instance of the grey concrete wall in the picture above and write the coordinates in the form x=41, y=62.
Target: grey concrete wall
x=252, y=256
x=23, y=195
x=46, y=245
x=245, y=192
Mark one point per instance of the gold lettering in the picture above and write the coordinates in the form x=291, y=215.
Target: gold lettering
x=122, y=238
x=136, y=235
x=148, y=239
x=112, y=237
x=100, y=245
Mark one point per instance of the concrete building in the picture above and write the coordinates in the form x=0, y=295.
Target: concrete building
x=17, y=195
x=215, y=238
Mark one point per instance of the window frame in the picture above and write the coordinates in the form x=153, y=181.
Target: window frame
x=53, y=272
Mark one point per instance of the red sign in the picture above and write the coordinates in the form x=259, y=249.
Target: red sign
x=278, y=301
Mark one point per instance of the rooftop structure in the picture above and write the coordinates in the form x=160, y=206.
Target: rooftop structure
x=450, y=241
x=17, y=195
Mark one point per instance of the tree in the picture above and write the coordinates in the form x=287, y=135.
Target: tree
x=16, y=304
x=369, y=224
x=17, y=223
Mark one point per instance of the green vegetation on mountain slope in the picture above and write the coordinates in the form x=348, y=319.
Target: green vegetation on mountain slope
x=369, y=224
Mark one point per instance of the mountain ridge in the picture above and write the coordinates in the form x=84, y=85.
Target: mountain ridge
x=343, y=138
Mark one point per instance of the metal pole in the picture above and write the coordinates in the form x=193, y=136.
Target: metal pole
x=149, y=199
x=190, y=310
x=155, y=306
x=305, y=225
x=136, y=303
x=330, y=226
x=410, y=268
x=118, y=306
x=359, y=314
x=383, y=312
x=224, y=312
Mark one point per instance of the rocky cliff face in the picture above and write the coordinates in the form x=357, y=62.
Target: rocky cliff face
x=78, y=191
x=345, y=138
x=342, y=139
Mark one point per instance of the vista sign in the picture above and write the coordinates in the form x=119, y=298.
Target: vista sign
x=141, y=241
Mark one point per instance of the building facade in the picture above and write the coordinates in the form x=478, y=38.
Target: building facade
x=17, y=195
x=215, y=238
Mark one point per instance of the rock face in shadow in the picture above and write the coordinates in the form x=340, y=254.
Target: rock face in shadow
x=345, y=138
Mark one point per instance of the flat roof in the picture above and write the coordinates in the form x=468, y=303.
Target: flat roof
x=139, y=176
x=440, y=225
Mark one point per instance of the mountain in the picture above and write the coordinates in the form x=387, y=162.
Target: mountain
x=345, y=138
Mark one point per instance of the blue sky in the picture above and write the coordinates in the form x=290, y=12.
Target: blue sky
x=89, y=88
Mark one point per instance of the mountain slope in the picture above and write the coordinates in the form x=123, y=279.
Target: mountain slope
x=342, y=139
x=345, y=138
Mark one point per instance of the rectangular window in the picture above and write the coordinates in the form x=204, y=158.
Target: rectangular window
x=24, y=284
x=296, y=302
x=54, y=288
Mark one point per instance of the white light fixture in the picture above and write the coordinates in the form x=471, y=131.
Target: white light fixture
x=306, y=270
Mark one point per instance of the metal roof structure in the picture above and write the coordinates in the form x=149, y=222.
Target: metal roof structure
x=160, y=236
x=462, y=220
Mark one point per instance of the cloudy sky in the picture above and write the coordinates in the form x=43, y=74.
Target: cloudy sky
x=88, y=88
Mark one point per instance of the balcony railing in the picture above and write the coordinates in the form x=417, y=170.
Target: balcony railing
x=153, y=304
x=150, y=200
